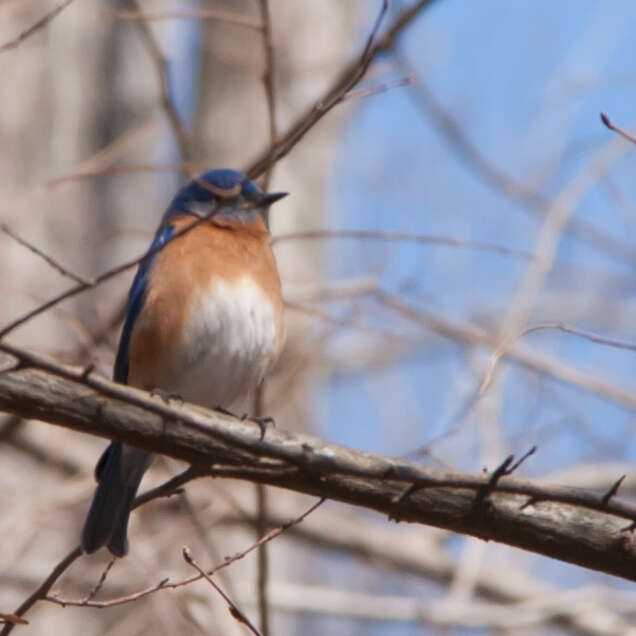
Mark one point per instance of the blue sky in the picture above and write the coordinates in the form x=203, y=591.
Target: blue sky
x=527, y=82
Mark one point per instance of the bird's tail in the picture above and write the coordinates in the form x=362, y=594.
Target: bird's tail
x=118, y=472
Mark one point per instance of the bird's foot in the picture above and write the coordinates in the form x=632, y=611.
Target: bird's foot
x=166, y=396
x=261, y=421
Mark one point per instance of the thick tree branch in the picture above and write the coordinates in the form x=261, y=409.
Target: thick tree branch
x=574, y=525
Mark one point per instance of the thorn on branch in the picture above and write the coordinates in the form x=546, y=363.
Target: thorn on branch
x=522, y=459
x=507, y=467
x=613, y=490
x=531, y=501
x=88, y=369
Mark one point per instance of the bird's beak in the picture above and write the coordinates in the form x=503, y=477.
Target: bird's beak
x=272, y=197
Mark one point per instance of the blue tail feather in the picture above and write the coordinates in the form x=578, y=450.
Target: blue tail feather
x=119, y=473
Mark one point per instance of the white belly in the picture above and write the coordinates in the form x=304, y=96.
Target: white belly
x=233, y=337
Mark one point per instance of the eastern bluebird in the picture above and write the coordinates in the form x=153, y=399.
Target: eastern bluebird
x=204, y=320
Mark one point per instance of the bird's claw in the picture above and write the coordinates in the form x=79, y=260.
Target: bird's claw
x=261, y=421
x=166, y=396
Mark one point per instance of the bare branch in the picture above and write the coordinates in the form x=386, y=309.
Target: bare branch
x=188, y=167
x=406, y=237
x=42, y=591
x=475, y=335
x=36, y=26
x=522, y=513
x=344, y=83
x=98, y=280
x=505, y=346
x=165, y=93
x=494, y=177
x=410, y=550
x=165, y=584
x=370, y=91
x=234, y=610
x=447, y=614
x=623, y=133
x=44, y=588
x=102, y=579
x=184, y=14
x=45, y=257
x=269, y=85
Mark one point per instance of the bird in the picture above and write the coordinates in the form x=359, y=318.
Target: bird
x=204, y=321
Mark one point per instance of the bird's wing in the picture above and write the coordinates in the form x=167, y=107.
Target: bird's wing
x=136, y=298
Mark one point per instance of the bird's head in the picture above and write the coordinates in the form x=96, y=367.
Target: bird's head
x=225, y=195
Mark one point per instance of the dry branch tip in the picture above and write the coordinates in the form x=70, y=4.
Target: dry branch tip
x=613, y=489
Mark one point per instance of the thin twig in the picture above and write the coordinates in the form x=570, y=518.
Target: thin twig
x=497, y=179
x=185, y=14
x=473, y=335
x=345, y=82
x=165, y=583
x=234, y=610
x=269, y=85
x=36, y=26
x=623, y=133
x=427, y=239
x=370, y=91
x=506, y=345
x=42, y=591
x=80, y=287
x=102, y=579
x=103, y=159
x=165, y=93
x=171, y=487
x=189, y=167
x=45, y=257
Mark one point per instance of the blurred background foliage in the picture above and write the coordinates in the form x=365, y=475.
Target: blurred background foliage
x=495, y=140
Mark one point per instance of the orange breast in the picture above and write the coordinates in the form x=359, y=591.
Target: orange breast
x=187, y=265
